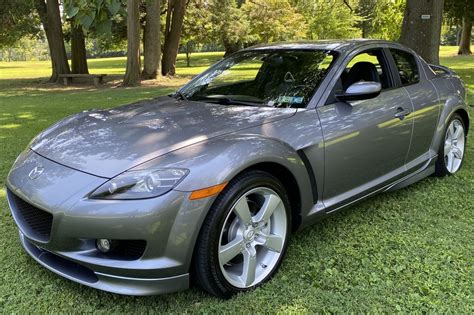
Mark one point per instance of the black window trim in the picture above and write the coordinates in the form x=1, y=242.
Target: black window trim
x=395, y=68
x=392, y=79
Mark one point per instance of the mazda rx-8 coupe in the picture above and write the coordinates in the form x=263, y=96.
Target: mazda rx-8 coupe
x=206, y=185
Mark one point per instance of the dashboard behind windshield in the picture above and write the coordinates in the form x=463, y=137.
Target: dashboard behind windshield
x=278, y=78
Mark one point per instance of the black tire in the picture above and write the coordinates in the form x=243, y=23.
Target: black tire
x=440, y=168
x=206, y=272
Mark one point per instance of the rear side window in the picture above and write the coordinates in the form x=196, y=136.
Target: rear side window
x=407, y=67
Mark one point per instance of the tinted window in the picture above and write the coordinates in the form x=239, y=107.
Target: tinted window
x=406, y=66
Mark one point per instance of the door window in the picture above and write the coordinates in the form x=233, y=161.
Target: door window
x=406, y=66
x=367, y=66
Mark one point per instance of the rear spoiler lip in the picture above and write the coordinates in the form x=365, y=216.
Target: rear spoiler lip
x=442, y=68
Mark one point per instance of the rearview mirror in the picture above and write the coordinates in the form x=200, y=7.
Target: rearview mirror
x=360, y=91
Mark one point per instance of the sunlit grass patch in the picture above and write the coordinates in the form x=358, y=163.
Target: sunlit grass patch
x=9, y=126
x=25, y=116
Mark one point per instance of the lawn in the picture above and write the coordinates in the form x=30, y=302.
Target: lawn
x=409, y=251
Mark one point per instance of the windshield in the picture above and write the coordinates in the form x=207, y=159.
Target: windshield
x=278, y=78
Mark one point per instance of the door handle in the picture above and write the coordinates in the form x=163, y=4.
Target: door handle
x=402, y=113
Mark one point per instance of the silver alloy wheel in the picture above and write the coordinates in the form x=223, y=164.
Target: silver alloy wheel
x=454, y=145
x=252, y=237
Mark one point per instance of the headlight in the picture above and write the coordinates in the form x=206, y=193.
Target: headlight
x=140, y=184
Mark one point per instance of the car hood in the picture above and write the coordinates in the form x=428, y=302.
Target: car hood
x=108, y=142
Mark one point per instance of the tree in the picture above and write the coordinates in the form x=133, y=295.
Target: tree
x=132, y=71
x=17, y=20
x=329, y=19
x=461, y=12
x=274, y=20
x=465, y=42
x=197, y=26
x=78, y=50
x=381, y=18
x=421, y=28
x=174, y=26
x=95, y=17
x=230, y=25
x=152, y=40
x=51, y=19
x=367, y=11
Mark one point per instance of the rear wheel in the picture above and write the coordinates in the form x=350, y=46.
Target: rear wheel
x=451, y=151
x=244, y=236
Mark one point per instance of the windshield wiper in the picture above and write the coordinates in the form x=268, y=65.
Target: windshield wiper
x=179, y=96
x=229, y=101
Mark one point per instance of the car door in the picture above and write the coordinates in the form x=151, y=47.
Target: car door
x=365, y=142
x=425, y=101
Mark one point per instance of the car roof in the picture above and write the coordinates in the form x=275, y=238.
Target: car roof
x=335, y=45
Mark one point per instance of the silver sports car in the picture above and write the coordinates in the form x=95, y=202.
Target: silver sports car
x=207, y=185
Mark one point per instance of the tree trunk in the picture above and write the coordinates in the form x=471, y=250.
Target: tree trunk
x=188, y=54
x=174, y=26
x=132, y=72
x=458, y=35
x=465, y=42
x=152, y=40
x=51, y=19
x=231, y=48
x=78, y=50
x=421, y=28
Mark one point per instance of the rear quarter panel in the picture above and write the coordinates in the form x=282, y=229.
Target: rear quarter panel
x=452, y=95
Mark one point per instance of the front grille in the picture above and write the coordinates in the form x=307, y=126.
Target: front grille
x=34, y=222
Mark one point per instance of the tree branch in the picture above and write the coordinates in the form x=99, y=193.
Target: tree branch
x=346, y=2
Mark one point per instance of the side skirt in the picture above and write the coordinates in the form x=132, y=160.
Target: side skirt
x=320, y=211
x=429, y=170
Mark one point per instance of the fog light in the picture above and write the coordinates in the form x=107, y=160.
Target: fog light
x=104, y=245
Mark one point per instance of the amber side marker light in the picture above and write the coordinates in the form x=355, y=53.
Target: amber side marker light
x=207, y=192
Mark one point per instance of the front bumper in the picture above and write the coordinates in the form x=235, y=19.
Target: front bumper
x=168, y=224
x=106, y=282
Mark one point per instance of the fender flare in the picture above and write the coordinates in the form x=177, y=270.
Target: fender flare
x=219, y=160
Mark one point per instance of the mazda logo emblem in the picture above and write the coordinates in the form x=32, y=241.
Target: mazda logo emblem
x=36, y=172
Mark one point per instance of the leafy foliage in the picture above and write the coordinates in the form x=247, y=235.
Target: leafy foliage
x=455, y=10
x=197, y=25
x=274, y=20
x=381, y=18
x=17, y=20
x=229, y=24
x=95, y=15
x=25, y=49
x=329, y=19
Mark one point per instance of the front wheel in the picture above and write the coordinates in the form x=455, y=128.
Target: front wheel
x=451, y=151
x=244, y=236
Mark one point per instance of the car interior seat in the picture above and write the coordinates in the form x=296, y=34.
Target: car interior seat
x=361, y=71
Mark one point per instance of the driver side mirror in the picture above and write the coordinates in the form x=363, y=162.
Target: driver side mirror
x=363, y=90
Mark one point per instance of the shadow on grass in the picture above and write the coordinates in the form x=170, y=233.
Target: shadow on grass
x=41, y=87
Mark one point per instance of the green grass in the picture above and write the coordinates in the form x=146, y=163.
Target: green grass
x=110, y=66
x=409, y=251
